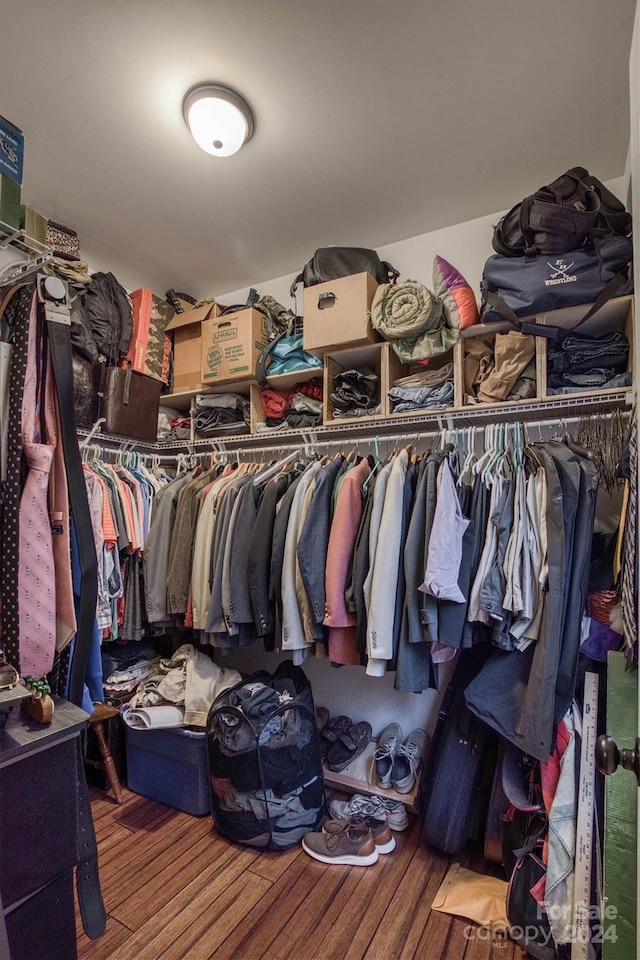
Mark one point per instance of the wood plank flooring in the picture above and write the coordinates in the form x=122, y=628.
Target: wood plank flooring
x=175, y=890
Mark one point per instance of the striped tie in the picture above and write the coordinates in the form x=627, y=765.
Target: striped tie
x=36, y=569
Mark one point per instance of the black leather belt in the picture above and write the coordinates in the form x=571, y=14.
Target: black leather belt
x=53, y=298
x=92, y=910
x=52, y=294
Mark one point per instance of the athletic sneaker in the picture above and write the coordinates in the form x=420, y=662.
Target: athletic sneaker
x=382, y=837
x=388, y=743
x=382, y=808
x=407, y=760
x=352, y=845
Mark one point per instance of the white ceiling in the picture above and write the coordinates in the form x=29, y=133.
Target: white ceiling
x=377, y=120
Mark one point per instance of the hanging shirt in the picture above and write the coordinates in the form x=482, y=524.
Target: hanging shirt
x=445, y=543
x=384, y=581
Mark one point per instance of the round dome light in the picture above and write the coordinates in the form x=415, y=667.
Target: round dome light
x=219, y=118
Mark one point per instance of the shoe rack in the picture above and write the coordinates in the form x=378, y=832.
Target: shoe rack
x=359, y=777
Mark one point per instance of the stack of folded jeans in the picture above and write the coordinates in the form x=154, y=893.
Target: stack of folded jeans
x=221, y=413
x=356, y=393
x=301, y=406
x=426, y=389
x=584, y=362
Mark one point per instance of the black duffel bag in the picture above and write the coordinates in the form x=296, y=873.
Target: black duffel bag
x=331, y=263
x=561, y=217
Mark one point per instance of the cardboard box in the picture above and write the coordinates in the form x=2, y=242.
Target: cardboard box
x=10, y=209
x=187, y=345
x=150, y=347
x=344, y=319
x=231, y=346
x=34, y=224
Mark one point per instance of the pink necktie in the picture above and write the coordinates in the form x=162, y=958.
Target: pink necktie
x=36, y=573
x=59, y=506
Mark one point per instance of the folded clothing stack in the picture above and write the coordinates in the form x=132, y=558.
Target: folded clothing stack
x=584, y=362
x=356, y=393
x=165, y=417
x=287, y=356
x=180, y=429
x=427, y=388
x=301, y=406
x=499, y=367
x=173, y=425
x=221, y=412
x=122, y=682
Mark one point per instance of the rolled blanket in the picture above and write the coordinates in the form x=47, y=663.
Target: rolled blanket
x=156, y=718
x=413, y=319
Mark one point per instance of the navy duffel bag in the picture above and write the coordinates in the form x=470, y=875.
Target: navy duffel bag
x=516, y=287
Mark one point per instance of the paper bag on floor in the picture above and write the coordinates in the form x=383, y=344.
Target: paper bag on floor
x=474, y=896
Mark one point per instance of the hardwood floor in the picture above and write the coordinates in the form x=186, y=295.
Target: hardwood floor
x=173, y=888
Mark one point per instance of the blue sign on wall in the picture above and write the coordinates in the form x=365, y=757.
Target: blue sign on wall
x=11, y=151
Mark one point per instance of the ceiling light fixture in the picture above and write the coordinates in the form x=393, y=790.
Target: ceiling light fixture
x=219, y=118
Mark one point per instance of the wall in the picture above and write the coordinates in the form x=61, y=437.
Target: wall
x=466, y=245
x=348, y=689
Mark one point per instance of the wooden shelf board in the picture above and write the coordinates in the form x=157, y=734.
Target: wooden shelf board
x=610, y=316
x=356, y=356
x=428, y=413
x=178, y=401
x=286, y=380
x=351, y=420
x=355, y=779
x=544, y=401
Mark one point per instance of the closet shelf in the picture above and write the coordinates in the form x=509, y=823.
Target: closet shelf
x=554, y=409
x=34, y=254
x=610, y=316
x=356, y=779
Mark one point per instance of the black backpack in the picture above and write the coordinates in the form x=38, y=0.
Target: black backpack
x=109, y=318
x=331, y=263
x=561, y=217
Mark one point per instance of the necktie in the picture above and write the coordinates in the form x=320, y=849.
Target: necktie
x=17, y=316
x=36, y=571
x=629, y=588
x=59, y=504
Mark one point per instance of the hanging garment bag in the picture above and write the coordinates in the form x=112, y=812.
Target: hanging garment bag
x=264, y=761
x=458, y=775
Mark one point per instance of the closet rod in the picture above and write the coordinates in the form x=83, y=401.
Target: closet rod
x=425, y=425
x=348, y=443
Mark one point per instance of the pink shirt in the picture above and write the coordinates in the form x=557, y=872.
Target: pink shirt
x=342, y=538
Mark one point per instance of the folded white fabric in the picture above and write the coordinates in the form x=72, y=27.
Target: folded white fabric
x=154, y=718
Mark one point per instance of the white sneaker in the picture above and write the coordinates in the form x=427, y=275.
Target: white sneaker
x=388, y=743
x=407, y=761
x=382, y=808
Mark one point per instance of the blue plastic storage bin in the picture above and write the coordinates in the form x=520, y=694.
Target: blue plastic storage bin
x=169, y=766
